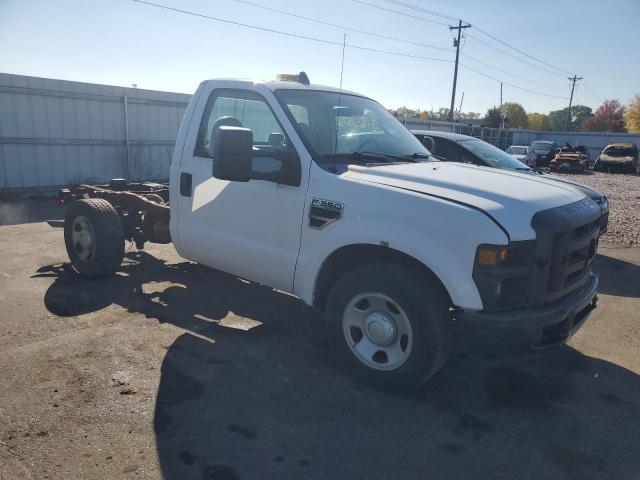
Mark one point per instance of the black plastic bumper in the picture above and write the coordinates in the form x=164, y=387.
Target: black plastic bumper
x=537, y=328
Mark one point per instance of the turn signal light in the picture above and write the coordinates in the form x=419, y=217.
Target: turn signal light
x=490, y=256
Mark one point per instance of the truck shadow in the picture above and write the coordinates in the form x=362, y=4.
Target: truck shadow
x=269, y=401
x=617, y=277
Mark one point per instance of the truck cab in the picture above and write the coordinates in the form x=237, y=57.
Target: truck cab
x=323, y=194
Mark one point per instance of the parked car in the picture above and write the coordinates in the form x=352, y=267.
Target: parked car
x=623, y=156
x=519, y=152
x=322, y=193
x=571, y=159
x=454, y=147
x=543, y=152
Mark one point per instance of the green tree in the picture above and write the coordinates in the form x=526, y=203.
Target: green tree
x=515, y=115
x=538, y=121
x=441, y=114
x=469, y=116
x=568, y=120
x=632, y=116
x=609, y=117
x=492, y=118
x=404, y=112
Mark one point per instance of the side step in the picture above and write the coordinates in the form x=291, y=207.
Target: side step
x=56, y=223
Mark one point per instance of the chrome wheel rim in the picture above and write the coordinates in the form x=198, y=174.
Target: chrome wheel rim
x=377, y=331
x=83, y=238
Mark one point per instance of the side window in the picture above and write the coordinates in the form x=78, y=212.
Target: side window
x=243, y=109
x=446, y=149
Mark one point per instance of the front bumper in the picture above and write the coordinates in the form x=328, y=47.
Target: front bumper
x=535, y=328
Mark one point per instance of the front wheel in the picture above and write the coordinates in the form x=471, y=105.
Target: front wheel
x=389, y=324
x=94, y=237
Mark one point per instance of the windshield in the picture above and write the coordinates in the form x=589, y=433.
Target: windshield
x=518, y=150
x=335, y=125
x=620, y=152
x=541, y=146
x=493, y=156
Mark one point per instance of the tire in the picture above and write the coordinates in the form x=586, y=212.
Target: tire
x=407, y=297
x=94, y=237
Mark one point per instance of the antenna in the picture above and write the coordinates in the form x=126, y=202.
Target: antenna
x=344, y=44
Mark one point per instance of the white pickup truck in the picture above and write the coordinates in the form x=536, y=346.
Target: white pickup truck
x=323, y=194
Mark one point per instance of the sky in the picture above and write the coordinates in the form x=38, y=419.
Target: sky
x=121, y=42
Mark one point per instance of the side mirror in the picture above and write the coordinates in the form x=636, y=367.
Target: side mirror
x=232, y=154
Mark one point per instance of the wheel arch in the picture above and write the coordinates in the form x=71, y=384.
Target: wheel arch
x=351, y=256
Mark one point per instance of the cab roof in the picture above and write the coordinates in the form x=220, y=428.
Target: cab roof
x=287, y=85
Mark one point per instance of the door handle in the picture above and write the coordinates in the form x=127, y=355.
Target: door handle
x=185, y=184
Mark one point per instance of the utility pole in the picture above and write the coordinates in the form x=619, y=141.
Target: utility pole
x=456, y=43
x=573, y=86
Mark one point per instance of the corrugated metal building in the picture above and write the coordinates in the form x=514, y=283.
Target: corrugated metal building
x=56, y=132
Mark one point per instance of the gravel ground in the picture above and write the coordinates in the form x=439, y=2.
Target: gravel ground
x=623, y=192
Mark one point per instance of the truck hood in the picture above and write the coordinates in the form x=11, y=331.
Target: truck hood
x=616, y=158
x=508, y=197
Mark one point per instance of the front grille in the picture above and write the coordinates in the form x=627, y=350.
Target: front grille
x=572, y=255
x=566, y=244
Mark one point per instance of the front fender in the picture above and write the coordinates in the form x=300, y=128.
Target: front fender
x=439, y=234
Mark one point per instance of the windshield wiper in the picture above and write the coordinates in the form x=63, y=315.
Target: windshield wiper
x=377, y=157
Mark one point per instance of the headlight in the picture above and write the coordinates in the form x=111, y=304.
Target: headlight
x=502, y=274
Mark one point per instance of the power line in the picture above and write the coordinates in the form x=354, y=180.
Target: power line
x=322, y=22
x=288, y=34
x=521, y=52
x=514, y=57
x=400, y=13
x=511, y=84
x=441, y=15
x=421, y=9
x=239, y=24
x=387, y=52
x=331, y=42
x=511, y=74
x=593, y=92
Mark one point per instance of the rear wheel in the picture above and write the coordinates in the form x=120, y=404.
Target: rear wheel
x=389, y=324
x=94, y=237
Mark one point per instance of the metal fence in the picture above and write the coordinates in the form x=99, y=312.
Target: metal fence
x=55, y=132
x=501, y=138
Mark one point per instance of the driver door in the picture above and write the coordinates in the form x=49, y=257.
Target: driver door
x=249, y=229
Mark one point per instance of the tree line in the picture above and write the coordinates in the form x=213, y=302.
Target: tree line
x=611, y=116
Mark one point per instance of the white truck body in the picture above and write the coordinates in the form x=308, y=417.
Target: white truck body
x=258, y=229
